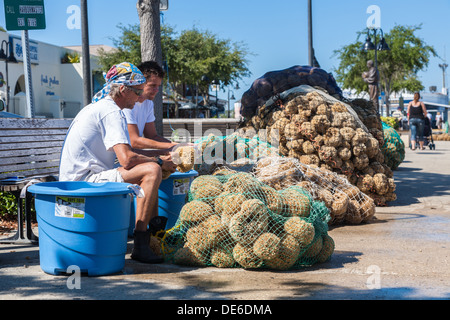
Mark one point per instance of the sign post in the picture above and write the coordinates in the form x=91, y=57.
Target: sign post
x=25, y=15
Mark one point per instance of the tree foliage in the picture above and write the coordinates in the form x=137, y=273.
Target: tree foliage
x=128, y=48
x=190, y=56
x=398, y=67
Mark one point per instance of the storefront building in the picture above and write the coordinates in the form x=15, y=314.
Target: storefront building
x=57, y=79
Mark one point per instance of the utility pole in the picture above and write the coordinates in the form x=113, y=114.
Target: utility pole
x=85, y=53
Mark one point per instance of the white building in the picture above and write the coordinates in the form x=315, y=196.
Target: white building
x=57, y=86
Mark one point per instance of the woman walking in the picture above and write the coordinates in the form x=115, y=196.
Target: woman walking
x=416, y=119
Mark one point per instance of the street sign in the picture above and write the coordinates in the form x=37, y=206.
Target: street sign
x=24, y=14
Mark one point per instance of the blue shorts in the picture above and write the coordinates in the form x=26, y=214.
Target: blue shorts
x=417, y=126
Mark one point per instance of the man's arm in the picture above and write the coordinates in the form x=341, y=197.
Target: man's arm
x=129, y=159
x=150, y=140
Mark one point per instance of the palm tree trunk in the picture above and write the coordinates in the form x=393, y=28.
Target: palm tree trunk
x=148, y=11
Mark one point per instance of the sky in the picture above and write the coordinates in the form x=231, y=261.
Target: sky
x=275, y=32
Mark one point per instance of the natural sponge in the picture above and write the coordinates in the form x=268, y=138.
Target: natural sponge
x=297, y=202
x=267, y=246
x=188, y=257
x=184, y=157
x=287, y=256
x=327, y=249
x=204, y=180
x=222, y=258
x=228, y=204
x=195, y=212
x=207, y=193
x=253, y=219
x=246, y=257
x=301, y=230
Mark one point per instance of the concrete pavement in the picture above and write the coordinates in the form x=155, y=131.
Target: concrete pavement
x=403, y=254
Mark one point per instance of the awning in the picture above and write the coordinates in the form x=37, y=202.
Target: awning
x=436, y=104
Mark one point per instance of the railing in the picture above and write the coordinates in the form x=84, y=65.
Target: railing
x=190, y=130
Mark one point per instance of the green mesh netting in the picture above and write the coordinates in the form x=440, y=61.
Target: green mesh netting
x=393, y=148
x=234, y=220
x=235, y=150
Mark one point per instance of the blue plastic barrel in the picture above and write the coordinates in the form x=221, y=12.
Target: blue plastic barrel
x=82, y=224
x=172, y=195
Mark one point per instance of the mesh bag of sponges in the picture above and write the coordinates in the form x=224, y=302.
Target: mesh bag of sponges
x=216, y=151
x=234, y=220
x=346, y=203
x=393, y=148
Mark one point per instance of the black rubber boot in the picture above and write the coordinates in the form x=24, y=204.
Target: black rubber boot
x=157, y=225
x=141, y=250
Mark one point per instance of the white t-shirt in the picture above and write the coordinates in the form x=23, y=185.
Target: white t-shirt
x=88, y=147
x=141, y=114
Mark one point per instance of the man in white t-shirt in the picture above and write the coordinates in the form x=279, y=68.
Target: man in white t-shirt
x=99, y=134
x=141, y=119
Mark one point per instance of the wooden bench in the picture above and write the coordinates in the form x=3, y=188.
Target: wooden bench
x=29, y=149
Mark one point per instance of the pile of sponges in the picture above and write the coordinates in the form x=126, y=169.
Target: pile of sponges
x=234, y=220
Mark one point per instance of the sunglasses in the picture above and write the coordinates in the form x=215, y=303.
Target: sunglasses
x=138, y=92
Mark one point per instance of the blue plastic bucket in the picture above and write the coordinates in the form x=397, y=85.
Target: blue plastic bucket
x=172, y=195
x=82, y=224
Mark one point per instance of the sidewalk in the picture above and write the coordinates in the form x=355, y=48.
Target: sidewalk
x=403, y=254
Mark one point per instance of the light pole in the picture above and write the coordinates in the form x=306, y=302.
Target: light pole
x=216, y=84
x=87, y=86
x=443, y=66
x=232, y=98
x=382, y=46
x=310, y=40
x=311, y=55
x=8, y=58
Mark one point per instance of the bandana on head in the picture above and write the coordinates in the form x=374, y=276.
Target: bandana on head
x=124, y=73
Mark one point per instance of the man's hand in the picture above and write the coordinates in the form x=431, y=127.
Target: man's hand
x=168, y=164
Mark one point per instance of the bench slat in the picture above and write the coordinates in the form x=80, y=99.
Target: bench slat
x=26, y=159
x=36, y=137
x=24, y=152
x=31, y=173
x=18, y=123
x=31, y=145
x=27, y=131
x=29, y=166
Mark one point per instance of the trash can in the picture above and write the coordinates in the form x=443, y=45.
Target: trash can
x=82, y=224
x=172, y=195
